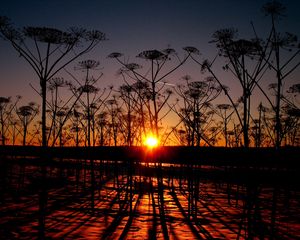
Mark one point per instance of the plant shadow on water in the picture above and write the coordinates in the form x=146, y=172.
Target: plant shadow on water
x=141, y=201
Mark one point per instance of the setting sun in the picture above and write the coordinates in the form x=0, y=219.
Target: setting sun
x=151, y=141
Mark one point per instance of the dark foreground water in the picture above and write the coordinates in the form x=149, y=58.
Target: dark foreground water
x=69, y=200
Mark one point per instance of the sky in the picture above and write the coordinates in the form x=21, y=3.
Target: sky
x=131, y=27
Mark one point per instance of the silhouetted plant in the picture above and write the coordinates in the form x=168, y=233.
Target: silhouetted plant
x=6, y=109
x=55, y=105
x=142, y=95
x=289, y=116
x=3, y=119
x=91, y=104
x=15, y=131
x=154, y=76
x=51, y=51
x=257, y=128
x=237, y=52
x=47, y=51
x=94, y=97
x=286, y=58
x=26, y=115
x=75, y=125
x=248, y=60
x=221, y=110
x=61, y=115
x=196, y=96
x=102, y=123
x=114, y=112
x=126, y=94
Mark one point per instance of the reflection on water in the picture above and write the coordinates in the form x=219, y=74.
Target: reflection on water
x=147, y=201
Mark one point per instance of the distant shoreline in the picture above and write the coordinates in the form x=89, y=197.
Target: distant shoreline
x=283, y=157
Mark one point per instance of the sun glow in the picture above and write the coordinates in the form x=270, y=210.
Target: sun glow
x=151, y=141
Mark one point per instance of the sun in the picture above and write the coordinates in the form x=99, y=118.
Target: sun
x=151, y=141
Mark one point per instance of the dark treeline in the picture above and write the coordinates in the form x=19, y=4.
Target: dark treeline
x=77, y=112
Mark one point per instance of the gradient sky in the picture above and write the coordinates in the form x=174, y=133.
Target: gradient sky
x=133, y=26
